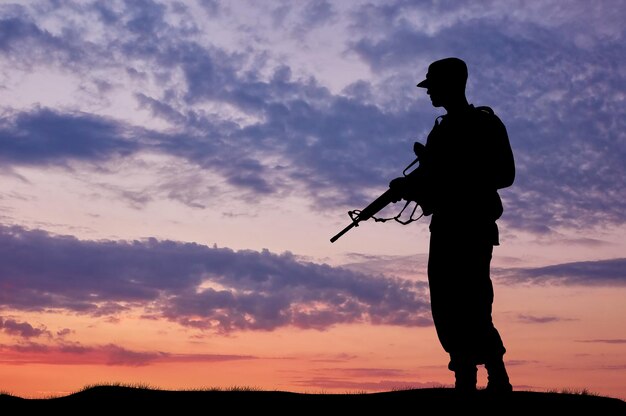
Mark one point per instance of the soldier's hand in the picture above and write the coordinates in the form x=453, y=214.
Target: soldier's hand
x=398, y=185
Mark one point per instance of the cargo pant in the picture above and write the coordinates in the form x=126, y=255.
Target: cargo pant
x=461, y=296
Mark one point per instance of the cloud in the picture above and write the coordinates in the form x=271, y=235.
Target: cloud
x=605, y=341
x=608, y=272
x=197, y=286
x=520, y=362
x=532, y=319
x=109, y=354
x=298, y=122
x=22, y=38
x=562, y=102
x=248, y=115
x=367, y=372
x=317, y=12
x=355, y=385
x=414, y=266
x=586, y=242
x=361, y=378
x=21, y=329
x=211, y=6
x=44, y=137
x=335, y=358
x=65, y=331
x=615, y=367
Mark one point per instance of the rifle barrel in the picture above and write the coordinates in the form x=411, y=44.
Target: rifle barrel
x=345, y=230
x=389, y=196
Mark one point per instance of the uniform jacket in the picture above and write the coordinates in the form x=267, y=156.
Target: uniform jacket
x=467, y=159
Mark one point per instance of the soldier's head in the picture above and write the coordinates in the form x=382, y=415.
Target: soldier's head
x=445, y=81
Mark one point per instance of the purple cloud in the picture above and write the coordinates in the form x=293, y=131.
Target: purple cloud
x=605, y=341
x=532, y=319
x=609, y=272
x=44, y=137
x=21, y=329
x=556, y=86
x=197, y=286
x=110, y=354
x=358, y=385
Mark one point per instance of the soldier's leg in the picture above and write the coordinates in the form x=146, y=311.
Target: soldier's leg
x=490, y=348
x=465, y=373
x=447, y=298
x=498, y=378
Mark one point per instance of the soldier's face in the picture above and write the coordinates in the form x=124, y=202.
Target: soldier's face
x=437, y=95
x=441, y=94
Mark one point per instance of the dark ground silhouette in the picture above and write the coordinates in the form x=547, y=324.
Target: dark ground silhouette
x=129, y=400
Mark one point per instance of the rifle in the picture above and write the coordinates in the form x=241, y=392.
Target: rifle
x=405, y=191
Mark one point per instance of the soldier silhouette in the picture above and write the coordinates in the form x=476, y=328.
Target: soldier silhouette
x=466, y=159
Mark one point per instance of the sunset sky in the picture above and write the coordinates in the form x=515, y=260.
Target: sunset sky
x=171, y=173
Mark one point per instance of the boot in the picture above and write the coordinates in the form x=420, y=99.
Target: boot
x=498, y=379
x=465, y=378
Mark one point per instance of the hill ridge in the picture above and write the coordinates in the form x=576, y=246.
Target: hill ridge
x=120, y=398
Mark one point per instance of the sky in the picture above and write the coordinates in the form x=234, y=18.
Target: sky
x=171, y=173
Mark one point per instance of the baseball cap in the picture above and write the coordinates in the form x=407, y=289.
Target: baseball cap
x=447, y=70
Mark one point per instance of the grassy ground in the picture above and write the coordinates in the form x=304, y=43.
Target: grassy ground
x=119, y=399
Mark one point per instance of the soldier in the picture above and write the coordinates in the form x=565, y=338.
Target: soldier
x=466, y=159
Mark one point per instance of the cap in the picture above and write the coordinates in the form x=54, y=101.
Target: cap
x=448, y=70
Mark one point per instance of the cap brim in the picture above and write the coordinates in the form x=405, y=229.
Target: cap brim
x=423, y=84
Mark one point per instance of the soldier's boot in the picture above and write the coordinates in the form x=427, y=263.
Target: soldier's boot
x=465, y=378
x=498, y=379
